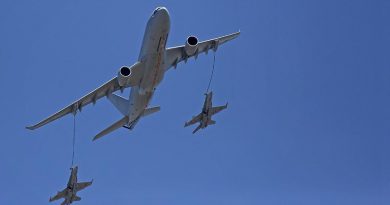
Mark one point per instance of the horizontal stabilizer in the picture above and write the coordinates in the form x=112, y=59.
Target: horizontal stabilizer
x=76, y=198
x=113, y=127
x=211, y=122
x=151, y=110
x=196, y=129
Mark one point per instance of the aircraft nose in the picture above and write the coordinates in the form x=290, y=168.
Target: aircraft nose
x=163, y=10
x=160, y=11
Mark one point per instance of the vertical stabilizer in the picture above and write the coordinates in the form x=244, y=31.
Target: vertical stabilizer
x=197, y=128
x=121, y=104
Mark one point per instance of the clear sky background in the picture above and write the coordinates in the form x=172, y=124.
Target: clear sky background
x=307, y=84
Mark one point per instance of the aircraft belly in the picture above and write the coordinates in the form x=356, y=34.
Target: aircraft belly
x=152, y=55
x=138, y=103
x=153, y=72
x=204, y=121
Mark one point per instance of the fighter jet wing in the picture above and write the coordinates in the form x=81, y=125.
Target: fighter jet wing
x=177, y=54
x=60, y=194
x=215, y=110
x=194, y=120
x=82, y=185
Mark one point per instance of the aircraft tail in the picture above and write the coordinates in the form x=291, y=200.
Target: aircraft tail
x=120, y=103
x=76, y=198
x=211, y=122
x=196, y=129
x=146, y=112
x=113, y=127
x=151, y=110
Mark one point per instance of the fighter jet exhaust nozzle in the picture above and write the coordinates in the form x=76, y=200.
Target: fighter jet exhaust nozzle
x=124, y=75
x=191, y=46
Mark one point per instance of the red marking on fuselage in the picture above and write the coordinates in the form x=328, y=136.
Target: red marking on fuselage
x=157, y=68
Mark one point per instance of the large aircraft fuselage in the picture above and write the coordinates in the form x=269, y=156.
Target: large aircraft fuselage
x=152, y=57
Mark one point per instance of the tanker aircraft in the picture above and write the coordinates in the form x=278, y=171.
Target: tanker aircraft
x=144, y=75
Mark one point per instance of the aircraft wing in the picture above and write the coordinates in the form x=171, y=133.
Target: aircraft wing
x=177, y=54
x=194, y=120
x=82, y=185
x=215, y=110
x=109, y=87
x=59, y=195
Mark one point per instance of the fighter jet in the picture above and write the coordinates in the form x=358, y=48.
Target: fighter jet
x=144, y=75
x=70, y=192
x=204, y=118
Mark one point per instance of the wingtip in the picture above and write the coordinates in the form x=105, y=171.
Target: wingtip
x=30, y=127
x=96, y=138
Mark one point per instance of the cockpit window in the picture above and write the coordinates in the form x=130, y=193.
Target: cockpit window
x=155, y=11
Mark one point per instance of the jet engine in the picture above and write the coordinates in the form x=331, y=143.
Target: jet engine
x=191, y=46
x=124, y=75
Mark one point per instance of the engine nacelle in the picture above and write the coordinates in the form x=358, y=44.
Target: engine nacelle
x=124, y=75
x=191, y=46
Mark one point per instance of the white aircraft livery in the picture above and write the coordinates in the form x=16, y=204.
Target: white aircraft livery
x=144, y=76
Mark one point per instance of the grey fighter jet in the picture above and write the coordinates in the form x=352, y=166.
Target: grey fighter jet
x=144, y=76
x=204, y=118
x=70, y=192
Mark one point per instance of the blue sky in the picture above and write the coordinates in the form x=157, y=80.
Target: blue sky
x=307, y=84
